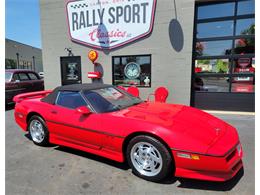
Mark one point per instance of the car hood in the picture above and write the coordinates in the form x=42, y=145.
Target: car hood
x=196, y=129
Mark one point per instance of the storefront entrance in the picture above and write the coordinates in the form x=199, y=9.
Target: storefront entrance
x=223, y=71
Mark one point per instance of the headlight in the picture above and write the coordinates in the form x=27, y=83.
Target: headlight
x=239, y=149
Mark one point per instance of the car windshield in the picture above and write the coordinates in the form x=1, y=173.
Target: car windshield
x=8, y=76
x=110, y=99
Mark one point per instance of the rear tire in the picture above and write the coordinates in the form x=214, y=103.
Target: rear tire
x=149, y=158
x=38, y=131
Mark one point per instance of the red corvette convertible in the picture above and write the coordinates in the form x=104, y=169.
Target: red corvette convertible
x=156, y=139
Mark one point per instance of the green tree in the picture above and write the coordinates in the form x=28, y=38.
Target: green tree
x=203, y=61
x=222, y=67
x=246, y=44
x=249, y=31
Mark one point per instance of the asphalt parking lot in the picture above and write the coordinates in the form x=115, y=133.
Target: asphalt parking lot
x=31, y=169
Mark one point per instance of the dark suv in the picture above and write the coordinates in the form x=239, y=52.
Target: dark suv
x=21, y=81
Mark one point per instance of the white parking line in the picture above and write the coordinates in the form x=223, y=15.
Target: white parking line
x=229, y=112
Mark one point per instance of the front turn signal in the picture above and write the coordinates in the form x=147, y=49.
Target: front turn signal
x=195, y=157
x=189, y=156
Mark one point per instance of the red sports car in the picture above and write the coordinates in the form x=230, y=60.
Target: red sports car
x=156, y=139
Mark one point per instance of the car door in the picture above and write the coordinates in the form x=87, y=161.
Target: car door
x=25, y=84
x=111, y=126
x=69, y=126
x=37, y=83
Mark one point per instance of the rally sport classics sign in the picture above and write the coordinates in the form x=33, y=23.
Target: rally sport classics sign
x=107, y=24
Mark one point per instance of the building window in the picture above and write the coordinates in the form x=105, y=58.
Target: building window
x=10, y=64
x=212, y=10
x=23, y=64
x=224, y=47
x=132, y=70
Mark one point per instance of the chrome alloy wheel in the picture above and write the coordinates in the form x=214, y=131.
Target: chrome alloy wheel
x=146, y=159
x=36, y=131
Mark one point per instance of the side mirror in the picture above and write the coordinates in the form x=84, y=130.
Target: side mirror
x=17, y=81
x=83, y=110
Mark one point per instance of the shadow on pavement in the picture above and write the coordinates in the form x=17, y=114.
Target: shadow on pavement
x=184, y=183
x=27, y=135
x=109, y=162
x=123, y=166
x=9, y=106
x=213, y=186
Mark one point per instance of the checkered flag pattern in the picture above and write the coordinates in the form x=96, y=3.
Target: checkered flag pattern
x=79, y=5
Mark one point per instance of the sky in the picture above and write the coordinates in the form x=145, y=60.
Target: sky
x=22, y=21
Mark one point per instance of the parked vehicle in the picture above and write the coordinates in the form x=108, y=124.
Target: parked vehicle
x=156, y=139
x=21, y=81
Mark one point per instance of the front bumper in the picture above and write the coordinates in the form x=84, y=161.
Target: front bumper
x=209, y=167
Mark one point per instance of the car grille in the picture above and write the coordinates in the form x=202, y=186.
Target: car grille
x=237, y=165
x=231, y=155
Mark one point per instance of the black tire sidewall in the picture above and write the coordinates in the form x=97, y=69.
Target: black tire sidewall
x=45, y=141
x=168, y=165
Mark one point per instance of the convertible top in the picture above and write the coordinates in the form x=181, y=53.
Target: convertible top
x=82, y=87
x=51, y=98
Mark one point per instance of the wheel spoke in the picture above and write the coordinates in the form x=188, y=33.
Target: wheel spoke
x=149, y=150
x=137, y=157
x=141, y=148
x=145, y=165
x=41, y=131
x=155, y=158
x=41, y=136
x=152, y=167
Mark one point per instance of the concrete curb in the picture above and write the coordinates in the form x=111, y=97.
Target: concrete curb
x=229, y=112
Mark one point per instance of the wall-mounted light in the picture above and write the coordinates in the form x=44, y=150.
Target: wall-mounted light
x=93, y=56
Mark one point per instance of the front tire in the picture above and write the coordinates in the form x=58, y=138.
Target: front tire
x=149, y=158
x=38, y=131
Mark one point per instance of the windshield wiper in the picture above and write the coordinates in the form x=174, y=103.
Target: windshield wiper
x=118, y=107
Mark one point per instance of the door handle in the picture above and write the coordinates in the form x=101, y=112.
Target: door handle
x=54, y=112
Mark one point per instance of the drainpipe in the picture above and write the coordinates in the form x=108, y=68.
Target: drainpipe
x=17, y=57
x=33, y=63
